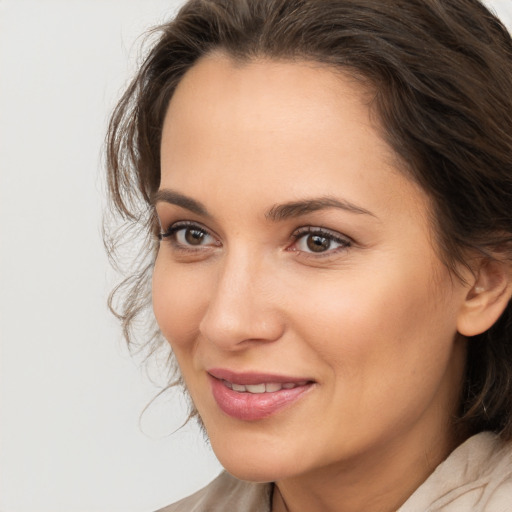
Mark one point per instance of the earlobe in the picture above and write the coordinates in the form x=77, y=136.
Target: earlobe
x=487, y=298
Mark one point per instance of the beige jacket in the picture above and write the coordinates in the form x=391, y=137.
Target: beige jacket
x=476, y=477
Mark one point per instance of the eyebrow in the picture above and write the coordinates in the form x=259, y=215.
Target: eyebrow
x=297, y=208
x=173, y=197
x=277, y=213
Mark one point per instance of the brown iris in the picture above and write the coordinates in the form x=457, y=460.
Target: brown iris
x=194, y=236
x=318, y=243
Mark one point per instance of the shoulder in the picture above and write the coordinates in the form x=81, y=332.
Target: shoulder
x=226, y=493
x=477, y=476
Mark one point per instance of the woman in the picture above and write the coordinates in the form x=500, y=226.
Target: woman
x=329, y=186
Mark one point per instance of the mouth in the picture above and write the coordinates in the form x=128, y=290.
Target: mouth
x=255, y=396
x=264, y=387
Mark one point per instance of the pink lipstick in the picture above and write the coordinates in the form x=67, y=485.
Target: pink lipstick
x=255, y=396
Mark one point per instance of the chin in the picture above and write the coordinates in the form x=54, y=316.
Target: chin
x=256, y=471
x=255, y=460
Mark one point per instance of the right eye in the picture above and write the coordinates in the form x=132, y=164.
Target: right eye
x=189, y=236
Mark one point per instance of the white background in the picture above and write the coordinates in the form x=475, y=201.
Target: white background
x=70, y=394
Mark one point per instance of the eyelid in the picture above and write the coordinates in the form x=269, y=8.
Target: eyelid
x=181, y=224
x=177, y=226
x=344, y=241
x=320, y=230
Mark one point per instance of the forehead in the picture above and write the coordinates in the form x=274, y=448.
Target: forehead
x=292, y=127
x=264, y=103
x=278, y=85
x=291, y=82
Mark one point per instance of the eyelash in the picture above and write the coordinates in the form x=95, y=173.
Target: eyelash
x=331, y=236
x=171, y=232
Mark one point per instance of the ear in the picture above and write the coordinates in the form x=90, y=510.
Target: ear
x=487, y=298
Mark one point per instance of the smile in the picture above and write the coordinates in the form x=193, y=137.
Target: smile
x=253, y=396
x=271, y=387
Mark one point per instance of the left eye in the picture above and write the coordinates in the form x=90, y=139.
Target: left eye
x=319, y=241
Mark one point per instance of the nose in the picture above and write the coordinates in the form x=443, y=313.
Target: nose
x=244, y=306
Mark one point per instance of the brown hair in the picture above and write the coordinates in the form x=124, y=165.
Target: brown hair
x=442, y=75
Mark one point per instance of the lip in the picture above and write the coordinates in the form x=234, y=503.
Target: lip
x=254, y=406
x=253, y=377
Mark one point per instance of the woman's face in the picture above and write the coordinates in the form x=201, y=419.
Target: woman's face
x=297, y=281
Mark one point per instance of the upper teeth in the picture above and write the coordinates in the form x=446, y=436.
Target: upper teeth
x=270, y=387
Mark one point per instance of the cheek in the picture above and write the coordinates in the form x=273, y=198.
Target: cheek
x=178, y=302
x=365, y=325
x=386, y=351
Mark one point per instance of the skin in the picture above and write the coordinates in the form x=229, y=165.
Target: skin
x=372, y=320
